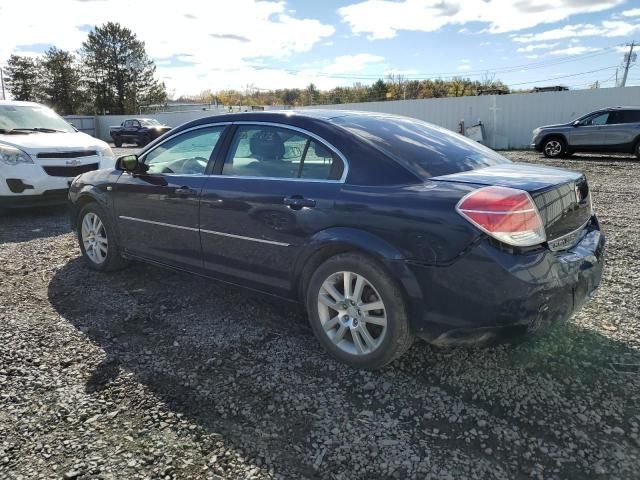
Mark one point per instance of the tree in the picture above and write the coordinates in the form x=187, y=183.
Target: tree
x=311, y=95
x=62, y=81
x=120, y=74
x=378, y=91
x=24, y=78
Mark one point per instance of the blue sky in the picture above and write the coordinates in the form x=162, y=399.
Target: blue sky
x=267, y=44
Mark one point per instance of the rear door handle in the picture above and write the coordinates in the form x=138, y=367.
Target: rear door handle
x=297, y=202
x=185, y=191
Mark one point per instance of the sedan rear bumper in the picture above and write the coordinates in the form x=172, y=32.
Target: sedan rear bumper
x=489, y=294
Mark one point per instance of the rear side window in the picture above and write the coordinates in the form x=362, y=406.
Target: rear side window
x=630, y=116
x=425, y=149
x=274, y=152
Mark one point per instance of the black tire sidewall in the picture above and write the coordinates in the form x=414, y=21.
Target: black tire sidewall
x=397, y=338
x=562, y=150
x=113, y=260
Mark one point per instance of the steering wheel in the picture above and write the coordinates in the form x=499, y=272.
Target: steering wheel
x=194, y=165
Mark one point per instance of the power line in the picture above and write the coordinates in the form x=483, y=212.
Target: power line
x=471, y=73
x=562, y=76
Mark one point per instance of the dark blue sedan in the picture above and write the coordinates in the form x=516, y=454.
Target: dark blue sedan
x=384, y=227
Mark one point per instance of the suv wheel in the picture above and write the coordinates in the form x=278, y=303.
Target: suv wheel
x=358, y=312
x=553, y=147
x=97, y=240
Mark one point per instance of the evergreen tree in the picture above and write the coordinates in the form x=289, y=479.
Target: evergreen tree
x=24, y=78
x=120, y=74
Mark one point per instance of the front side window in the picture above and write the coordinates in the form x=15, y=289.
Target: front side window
x=598, y=119
x=185, y=154
x=274, y=152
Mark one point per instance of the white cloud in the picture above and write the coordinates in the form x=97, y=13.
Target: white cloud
x=222, y=39
x=634, y=12
x=608, y=28
x=352, y=63
x=464, y=67
x=536, y=46
x=575, y=50
x=380, y=19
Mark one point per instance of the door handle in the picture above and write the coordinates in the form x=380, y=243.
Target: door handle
x=185, y=191
x=296, y=202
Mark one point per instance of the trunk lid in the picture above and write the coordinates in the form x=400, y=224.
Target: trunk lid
x=562, y=196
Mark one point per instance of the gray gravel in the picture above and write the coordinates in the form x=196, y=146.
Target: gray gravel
x=146, y=373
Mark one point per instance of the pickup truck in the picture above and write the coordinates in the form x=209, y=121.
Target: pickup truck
x=137, y=130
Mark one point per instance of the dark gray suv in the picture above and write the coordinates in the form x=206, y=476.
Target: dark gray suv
x=615, y=129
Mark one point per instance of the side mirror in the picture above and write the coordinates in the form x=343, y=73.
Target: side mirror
x=576, y=123
x=130, y=163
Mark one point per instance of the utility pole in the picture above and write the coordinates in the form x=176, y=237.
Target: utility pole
x=626, y=67
x=2, y=83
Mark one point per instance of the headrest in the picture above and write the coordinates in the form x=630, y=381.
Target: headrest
x=321, y=151
x=267, y=144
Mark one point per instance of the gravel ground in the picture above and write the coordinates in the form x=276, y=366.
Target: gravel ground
x=147, y=373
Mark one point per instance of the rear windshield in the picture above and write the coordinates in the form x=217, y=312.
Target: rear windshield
x=427, y=150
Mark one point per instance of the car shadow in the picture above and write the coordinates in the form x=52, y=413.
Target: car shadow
x=25, y=224
x=247, y=368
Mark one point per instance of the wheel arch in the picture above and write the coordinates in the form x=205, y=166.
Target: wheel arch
x=334, y=241
x=87, y=194
x=561, y=136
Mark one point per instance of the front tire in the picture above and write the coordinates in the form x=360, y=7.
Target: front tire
x=358, y=312
x=554, y=147
x=97, y=240
x=636, y=149
x=117, y=143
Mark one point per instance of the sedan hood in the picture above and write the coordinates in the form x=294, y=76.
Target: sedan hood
x=32, y=143
x=515, y=175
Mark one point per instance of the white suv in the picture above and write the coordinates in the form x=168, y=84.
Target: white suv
x=40, y=154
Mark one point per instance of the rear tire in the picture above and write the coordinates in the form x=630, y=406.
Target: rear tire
x=97, y=240
x=346, y=324
x=554, y=147
x=636, y=149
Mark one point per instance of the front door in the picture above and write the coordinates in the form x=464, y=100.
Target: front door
x=275, y=189
x=588, y=133
x=158, y=211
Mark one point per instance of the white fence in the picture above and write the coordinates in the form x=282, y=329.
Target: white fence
x=508, y=119
x=172, y=119
x=84, y=123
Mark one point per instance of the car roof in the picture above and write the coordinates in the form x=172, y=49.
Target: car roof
x=629, y=107
x=19, y=102
x=300, y=118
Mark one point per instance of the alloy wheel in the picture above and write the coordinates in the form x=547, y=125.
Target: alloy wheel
x=94, y=238
x=553, y=148
x=352, y=313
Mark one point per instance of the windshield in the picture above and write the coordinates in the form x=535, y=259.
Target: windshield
x=31, y=116
x=149, y=121
x=427, y=150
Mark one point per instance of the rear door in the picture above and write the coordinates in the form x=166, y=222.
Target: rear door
x=273, y=190
x=615, y=131
x=157, y=211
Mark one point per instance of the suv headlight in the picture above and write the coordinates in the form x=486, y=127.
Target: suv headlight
x=13, y=156
x=105, y=151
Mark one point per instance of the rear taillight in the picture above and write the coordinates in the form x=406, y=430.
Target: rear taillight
x=507, y=214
